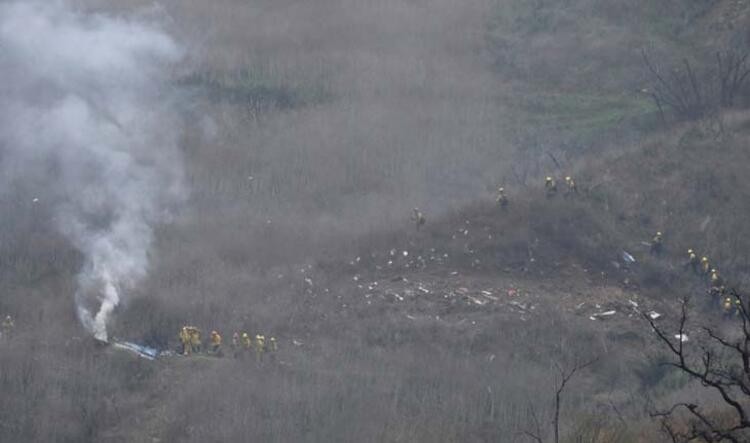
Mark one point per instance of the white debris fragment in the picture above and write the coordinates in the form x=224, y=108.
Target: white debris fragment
x=411, y=317
x=36, y=200
x=454, y=273
x=398, y=297
x=681, y=337
x=633, y=303
x=476, y=301
x=486, y=293
x=627, y=258
x=424, y=290
x=602, y=314
x=405, y=253
x=653, y=315
x=308, y=281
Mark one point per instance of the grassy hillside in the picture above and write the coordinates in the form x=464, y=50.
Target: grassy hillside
x=311, y=131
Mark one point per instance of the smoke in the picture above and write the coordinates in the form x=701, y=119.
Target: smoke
x=85, y=107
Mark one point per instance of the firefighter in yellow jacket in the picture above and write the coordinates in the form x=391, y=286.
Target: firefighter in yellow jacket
x=550, y=186
x=729, y=309
x=195, y=339
x=185, y=341
x=570, y=186
x=247, y=342
x=215, y=344
x=501, y=199
x=260, y=347
x=705, y=265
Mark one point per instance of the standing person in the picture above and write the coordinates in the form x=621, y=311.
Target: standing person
x=185, y=341
x=236, y=345
x=260, y=347
x=550, y=187
x=657, y=244
x=272, y=348
x=215, y=344
x=501, y=199
x=571, y=187
x=418, y=218
x=247, y=344
x=195, y=339
x=8, y=326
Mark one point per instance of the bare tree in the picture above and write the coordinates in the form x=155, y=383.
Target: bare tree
x=696, y=94
x=722, y=365
x=565, y=376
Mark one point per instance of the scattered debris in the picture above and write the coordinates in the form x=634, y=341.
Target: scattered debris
x=653, y=315
x=681, y=337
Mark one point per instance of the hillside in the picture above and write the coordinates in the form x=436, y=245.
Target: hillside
x=307, y=133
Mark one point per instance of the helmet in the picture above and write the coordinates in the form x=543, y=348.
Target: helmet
x=501, y=189
x=567, y=179
x=704, y=259
x=244, y=335
x=713, y=271
x=690, y=251
x=548, y=179
x=273, y=338
x=214, y=333
x=658, y=233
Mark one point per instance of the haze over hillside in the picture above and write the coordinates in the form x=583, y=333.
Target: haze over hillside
x=253, y=166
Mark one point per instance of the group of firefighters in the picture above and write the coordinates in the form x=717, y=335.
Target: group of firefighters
x=702, y=267
x=242, y=344
x=717, y=290
x=550, y=187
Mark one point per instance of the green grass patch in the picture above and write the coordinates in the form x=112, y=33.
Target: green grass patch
x=256, y=88
x=584, y=115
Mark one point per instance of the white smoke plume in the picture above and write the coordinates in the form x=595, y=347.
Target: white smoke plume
x=85, y=104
